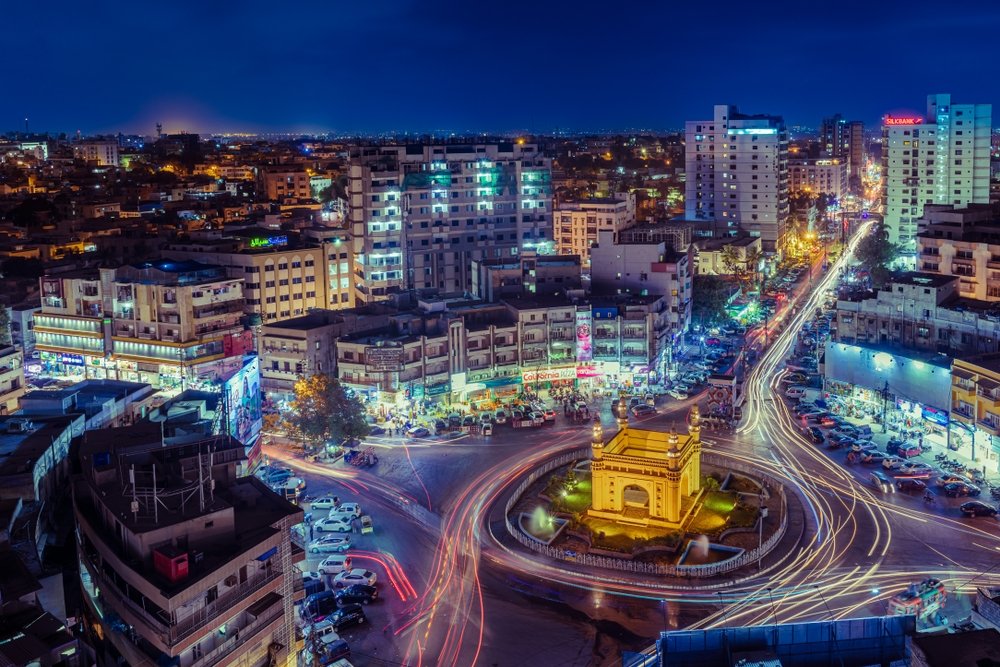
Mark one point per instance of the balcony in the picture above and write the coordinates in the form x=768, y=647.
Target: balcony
x=605, y=334
x=964, y=415
x=990, y=426
x=634, y=333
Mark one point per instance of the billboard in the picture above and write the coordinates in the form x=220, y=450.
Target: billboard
x=383, y=359
x=584, y=344
x=242, y=400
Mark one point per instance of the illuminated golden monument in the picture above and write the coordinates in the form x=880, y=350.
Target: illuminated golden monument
x=640, y=477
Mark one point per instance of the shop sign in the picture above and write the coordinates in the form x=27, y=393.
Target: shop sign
x=587, y=372
x=383, y=359
x=584, y=342
x=501, y=382
x=71, y=359
x=903, y=120
x=549, y=374
x=268, y=241
x=438, y=389
x=935, y=416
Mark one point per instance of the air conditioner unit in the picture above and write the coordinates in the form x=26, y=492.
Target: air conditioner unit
x=230, y=580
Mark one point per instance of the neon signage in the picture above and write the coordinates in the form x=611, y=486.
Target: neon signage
x=268, y=241
x=903, y=120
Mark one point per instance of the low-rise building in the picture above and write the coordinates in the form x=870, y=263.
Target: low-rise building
x=710, y=254
x=975, y=408
x=181, y=560
x=11, y=378
x=279, y=183
x=101, y=153
x=33, y=464
x=816, y=176
x=103, y=403
x=306, y=345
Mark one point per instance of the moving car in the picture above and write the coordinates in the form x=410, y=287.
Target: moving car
x=501, y=417
x=678, y=394
x=418, y=432
x=977, y=508
x=357, y=594
x=355, y=576
x=643, y=410
x=891, y=462
x=549, y=414
x=881, y=482
x=330, y=544
x=337, y=524
x=910, y=485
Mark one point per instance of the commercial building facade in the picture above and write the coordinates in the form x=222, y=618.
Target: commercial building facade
x=419, y=215
x=736, y=169
x=528, y=273
x=166, y=323
x=818, y=176
x=943, y=158
x=975, y=409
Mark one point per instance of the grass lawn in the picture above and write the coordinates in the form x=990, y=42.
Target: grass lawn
x=577, y=500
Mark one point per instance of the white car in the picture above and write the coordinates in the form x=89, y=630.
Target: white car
x=355, y=576
x=891, y=462
x=322, y=503
x=310, y=576
x=678, y=394
x=334, y=564
x=338, y=524
x=347, y=511
x=330, y=544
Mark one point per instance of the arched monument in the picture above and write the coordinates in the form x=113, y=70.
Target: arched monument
x=666, y=466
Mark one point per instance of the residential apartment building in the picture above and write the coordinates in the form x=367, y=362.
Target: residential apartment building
x=181, y=561
x=818, y=176
x=921, y=311
x=736, y=168
x=528, y=273
x=845, y=139
x=166, y=323
x=577, y=223
x=644, y=269
x=962, y=242
x=420, y=214
x=102, y=153
x=33, y=451
x=943, y=158
x=279, y=183
x=306, y=345
x=284, y=275
x=11, y=378
x=975, y=406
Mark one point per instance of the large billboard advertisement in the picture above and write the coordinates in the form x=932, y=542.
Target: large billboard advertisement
x=584, y=343
x=242, y=398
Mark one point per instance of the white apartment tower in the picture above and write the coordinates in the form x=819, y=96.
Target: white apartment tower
x=420, y=214
x=737, y=174
x=941, y=159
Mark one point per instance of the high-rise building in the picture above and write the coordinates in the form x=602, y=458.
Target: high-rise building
x=737, y=174
x=815, y=176
x=845, y=139
x=943, y=158
x=856, y=155
x=182, y=562
x=834, y=136
x=420, y=214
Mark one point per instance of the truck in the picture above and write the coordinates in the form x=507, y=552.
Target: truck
x=921, y=600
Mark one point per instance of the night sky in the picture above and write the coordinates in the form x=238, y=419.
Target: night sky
x=483, y=65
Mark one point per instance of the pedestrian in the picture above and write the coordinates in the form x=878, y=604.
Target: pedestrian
x=311, y=534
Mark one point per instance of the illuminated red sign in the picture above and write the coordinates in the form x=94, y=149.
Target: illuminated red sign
x=903, y=120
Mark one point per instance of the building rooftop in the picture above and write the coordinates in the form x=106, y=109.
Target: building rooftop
x=313, y=320
x=918, y=279
x=19, y=451
x=964, y=649
x=645, y=444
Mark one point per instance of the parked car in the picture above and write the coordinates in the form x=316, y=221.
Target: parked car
x=950, y=478
x=355, y=576
x=333, y=564
x=322, y=503
x=418, y=432
x=977, y=508
x=872, y=456
x=907, y=451
x=349, y=614
x=329, y=544
x=348, y=510
x=357, y=594
x=550, y=415
x=501, y=417
x=318, y=607
x=910, y=485
x=337, y=524
x=916, y=469
x=795, y=392
x=959, y=489
x=375, y=429
x=678, y=394
x=794, y=378
x=891, y=462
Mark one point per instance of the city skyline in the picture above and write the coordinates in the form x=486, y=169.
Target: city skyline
x=333, y=70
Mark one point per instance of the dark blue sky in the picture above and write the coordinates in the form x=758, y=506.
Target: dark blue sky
x=491, y=65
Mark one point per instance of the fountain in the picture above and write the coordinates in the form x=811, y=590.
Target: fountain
x=541, y=526
x=701, y=551
x=700, y=547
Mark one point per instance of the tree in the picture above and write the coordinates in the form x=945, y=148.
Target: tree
x=876, y=253
x=5, y=337
x=323, y=412
x=710, y=297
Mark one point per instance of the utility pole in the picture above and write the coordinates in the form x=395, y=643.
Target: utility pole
x=885, y=401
